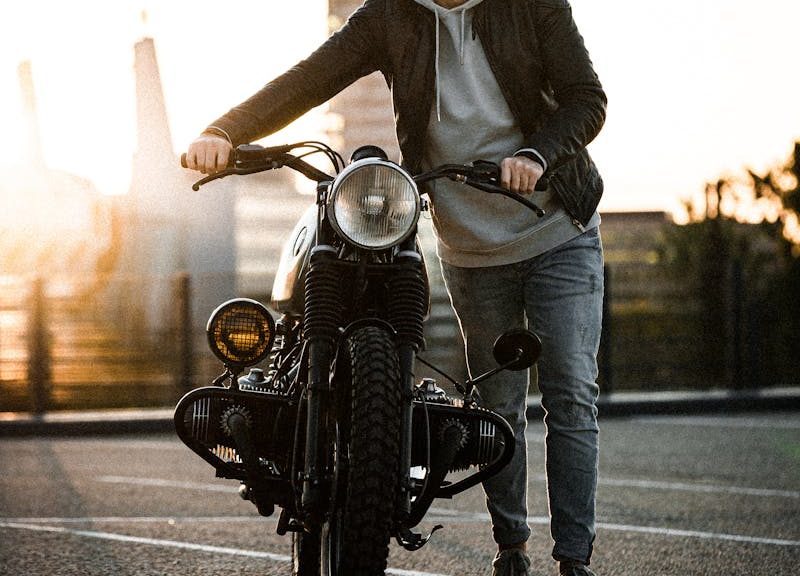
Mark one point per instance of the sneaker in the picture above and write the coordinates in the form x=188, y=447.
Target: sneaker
x=572, y=568
x=512, y=562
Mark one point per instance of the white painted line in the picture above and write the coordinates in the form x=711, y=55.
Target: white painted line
x=456, y=516
x=400, y=572
x=461, y=516
x=702, y=488
x=696, y=534
x=620, y=482
x=445, y=515
x=687, y=487
x=139, y=520
x=180, y=545
x=83, y=443
x=144, y=444
x=149, y=541
x=777, y=422
x=162, y=483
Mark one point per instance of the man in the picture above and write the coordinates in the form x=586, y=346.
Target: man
x=508, y=81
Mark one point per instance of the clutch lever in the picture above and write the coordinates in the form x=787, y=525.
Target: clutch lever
x=496, y=189
x=485, y=176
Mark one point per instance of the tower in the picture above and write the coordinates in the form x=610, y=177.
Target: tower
x=33, y=145
x=170, y=228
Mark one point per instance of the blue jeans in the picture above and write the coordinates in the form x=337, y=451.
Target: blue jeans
x=560, y=294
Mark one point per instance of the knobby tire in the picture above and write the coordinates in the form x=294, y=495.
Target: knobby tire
x=355, y=541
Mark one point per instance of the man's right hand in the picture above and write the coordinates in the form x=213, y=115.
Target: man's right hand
x=208, y=154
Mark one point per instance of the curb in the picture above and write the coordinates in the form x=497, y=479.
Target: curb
x=616, y=405
x=627, y=404
x=88, y=423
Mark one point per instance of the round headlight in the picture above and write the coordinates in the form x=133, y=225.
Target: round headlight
x=374, y=204
x=240, y=332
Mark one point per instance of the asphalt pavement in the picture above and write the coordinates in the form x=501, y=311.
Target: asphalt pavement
x=678, y=495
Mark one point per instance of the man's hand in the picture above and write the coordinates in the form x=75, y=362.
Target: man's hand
x=208, y=154
x=520, y=174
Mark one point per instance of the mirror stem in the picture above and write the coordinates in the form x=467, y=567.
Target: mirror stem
x=470, y=384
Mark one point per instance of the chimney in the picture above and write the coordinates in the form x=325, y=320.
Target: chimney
x=32, y=149
x=154, y=142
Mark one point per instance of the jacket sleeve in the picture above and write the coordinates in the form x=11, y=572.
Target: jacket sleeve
x=579, y=109
x=346, y=56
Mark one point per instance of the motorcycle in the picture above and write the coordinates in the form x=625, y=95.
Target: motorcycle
x=335, y=430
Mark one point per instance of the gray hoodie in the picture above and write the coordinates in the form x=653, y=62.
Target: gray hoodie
x=471, y=120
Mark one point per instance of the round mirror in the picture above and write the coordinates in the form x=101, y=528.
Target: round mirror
x=519, y=347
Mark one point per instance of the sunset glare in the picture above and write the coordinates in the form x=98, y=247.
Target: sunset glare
x=696, y=87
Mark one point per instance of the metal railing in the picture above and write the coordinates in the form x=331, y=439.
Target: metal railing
x=110, y=343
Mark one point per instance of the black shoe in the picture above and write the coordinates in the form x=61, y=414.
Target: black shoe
x=512, y=562
x=572, y=568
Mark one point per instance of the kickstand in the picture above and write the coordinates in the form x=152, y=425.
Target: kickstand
x=411, y=540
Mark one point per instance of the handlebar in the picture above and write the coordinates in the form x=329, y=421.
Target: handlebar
x=252, y=158
x=484, y=176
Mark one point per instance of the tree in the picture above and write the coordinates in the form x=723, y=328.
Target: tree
x=740, y=251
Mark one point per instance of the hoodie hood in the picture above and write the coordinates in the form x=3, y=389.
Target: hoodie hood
x=439, y=12
x=432, y=5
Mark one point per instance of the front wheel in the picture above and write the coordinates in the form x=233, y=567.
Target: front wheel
x=355, y=540
x=305, y=553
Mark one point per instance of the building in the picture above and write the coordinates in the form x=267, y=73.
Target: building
x=168, y=227
x=53, y=223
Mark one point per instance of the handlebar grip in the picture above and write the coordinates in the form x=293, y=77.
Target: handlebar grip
x=183, y=161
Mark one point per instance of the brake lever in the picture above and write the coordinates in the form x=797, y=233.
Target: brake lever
x=483, y=170
x=233, y=172
x=496, y=189
x=211, y=178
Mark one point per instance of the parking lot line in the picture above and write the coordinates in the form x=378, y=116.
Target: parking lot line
x=179, y=545
x=774, y=422
x=148, y=541
x=687, y=487
x=621, y=482
x=164, y=483
x=702, y=488
x=134, y=519
x=43, y=525
x=465, y=516
x=457, y=516
x=672, y=532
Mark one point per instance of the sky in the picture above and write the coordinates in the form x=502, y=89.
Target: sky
x=697, y=88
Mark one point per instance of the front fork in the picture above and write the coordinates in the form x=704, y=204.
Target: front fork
x=406, y=357
x=406, y=313
x=321, y=323
x=317, y=396
x=407, y=309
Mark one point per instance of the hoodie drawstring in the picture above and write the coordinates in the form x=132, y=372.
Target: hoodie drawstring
x=437, y=10
x=462, y=41
x=438, y=94
x=461, y=46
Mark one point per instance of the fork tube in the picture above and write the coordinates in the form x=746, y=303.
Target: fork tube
x=318, y=370
x=406, y=356
x=406, y=313
x=321, y=322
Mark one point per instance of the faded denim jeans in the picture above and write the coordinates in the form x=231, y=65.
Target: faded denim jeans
x=560, y=294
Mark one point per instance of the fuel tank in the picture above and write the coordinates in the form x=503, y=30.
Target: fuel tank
x=287, y=289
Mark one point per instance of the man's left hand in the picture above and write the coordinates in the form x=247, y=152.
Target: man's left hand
x=520, y=174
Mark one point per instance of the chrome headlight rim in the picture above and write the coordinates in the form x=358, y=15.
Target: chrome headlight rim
x=252, y=344
x=343, y=177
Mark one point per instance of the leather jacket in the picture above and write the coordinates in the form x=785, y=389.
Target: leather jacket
x=533, y=46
